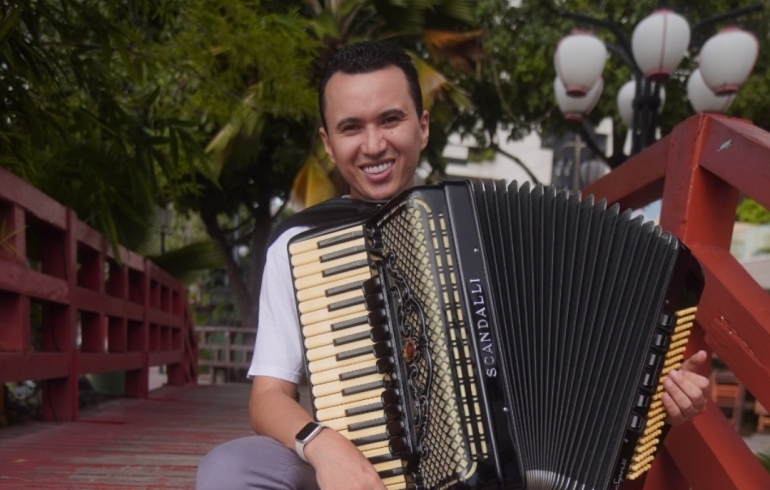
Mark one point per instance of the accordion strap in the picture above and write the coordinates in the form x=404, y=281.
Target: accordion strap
x=332, y=211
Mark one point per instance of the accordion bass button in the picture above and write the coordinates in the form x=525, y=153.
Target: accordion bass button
x=642, y=401
x=372, y=285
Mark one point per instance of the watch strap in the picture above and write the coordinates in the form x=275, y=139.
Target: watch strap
x=299, y=445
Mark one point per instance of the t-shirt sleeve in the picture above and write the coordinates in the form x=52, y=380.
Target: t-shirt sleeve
x=278, y=348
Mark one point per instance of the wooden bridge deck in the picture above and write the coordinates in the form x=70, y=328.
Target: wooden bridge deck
x=126, y=443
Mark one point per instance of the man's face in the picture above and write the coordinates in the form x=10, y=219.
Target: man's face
x=373, y=133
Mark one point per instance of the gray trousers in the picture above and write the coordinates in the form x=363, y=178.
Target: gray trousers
x=255, y=462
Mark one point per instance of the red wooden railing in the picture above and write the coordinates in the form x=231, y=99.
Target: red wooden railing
x=68, y=308
x=699, y=171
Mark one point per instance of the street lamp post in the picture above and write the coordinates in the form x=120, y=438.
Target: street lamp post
x=658, y=45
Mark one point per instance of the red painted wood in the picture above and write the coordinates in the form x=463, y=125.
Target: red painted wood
x=89, y=363
x=40, y=365
x=167, y=357
x=735, y=312
x=698, y=207
x=711, y=455
x=19, y=279
x=738, y=152
x=700, y=193
x=77, y=305
x=87, y=300
x=636, y=183
x=127, y=443
x=38, y=204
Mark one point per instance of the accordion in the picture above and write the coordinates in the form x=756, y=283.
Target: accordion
x=473, y=335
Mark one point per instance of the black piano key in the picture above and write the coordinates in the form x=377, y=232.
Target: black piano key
x=345, y=303
x=362, y=441
x=342, y=253
x=353, y=322
x=359, y=264
x=345, y=288
x=382, y=458
x=391, y=472
x=363, y=409
x=349, y=354
x=374, y=385
x=358, y=373
x=341, y=238
x=351, y=338
x=366, y=424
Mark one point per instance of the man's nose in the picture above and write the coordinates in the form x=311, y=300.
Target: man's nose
x=375, y=143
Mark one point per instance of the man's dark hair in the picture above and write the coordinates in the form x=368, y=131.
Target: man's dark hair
x=367, y=57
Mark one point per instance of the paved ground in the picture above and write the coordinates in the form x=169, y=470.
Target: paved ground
x=126, y=443
x=130, y=443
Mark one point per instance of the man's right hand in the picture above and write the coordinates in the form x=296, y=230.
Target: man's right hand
x=339, y=465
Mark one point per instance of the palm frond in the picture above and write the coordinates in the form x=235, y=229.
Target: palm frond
x=186, y=262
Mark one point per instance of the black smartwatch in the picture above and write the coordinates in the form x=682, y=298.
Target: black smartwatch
x=305, y=435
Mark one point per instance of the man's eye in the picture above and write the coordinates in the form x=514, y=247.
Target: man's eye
x=390, y=120
x=348, y=129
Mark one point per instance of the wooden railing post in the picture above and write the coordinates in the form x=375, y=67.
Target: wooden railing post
x=60, y=395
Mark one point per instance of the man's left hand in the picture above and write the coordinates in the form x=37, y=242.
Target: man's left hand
x=686, y=391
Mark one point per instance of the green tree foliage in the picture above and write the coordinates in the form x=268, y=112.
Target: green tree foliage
x=750, y=211
x=514, y=87
x=80, y=107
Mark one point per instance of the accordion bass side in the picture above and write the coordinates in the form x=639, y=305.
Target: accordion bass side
x=473, y=335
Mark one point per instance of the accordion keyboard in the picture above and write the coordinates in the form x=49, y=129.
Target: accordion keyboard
x=346, y=382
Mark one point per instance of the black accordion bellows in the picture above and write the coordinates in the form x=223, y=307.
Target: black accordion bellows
x=588, y=284
x=473, y=335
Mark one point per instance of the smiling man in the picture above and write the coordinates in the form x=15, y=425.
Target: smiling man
x=374, y=128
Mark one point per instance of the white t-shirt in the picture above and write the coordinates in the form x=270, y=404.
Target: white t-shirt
x=278, y=348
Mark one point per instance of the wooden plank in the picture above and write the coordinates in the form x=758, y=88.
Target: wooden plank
x=165, y=357
x=34, y=366
x=712, y=455
x=38, y=204
x=89, y=363
x=735, y=313
x=161, y=317
x=637, y=182
x=738, y=152
x=19, y=279
x=87, y=300
x=127, y=443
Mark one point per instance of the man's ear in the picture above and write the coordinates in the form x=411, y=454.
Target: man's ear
x=424, y=129
x=327, y=147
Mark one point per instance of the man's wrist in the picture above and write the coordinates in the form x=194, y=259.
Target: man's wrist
x=306, y=435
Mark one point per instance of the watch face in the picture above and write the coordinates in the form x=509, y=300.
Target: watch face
x=306, y=431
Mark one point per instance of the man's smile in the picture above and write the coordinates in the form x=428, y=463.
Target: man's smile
x=378, y=168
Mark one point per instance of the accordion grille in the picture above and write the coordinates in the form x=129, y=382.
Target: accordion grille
x=416, y=239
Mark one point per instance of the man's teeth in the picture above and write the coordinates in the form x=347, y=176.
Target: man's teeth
x=376, y=169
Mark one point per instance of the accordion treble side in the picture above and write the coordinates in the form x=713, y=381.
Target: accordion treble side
x=475, y=335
